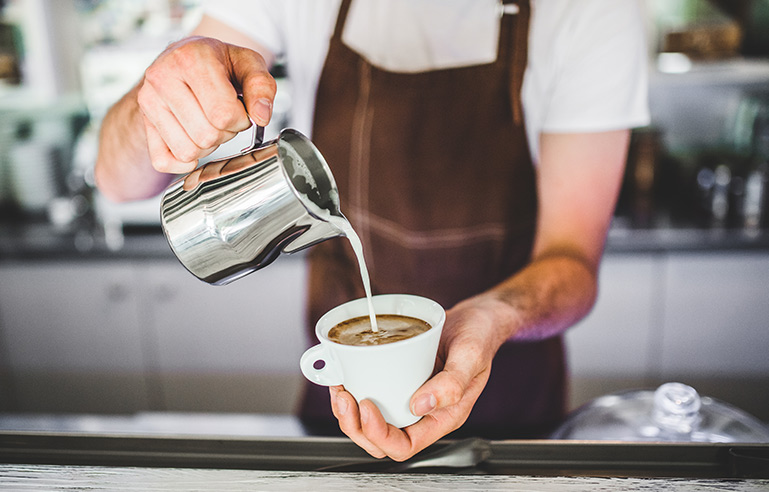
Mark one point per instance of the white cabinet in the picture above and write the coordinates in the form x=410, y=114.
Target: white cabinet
x=700, y=318
x=230, y=348
x=616, y=336
x=69, y=336
x=716, y=327
x=121, y=336
x=716, y=315
x=612, y=348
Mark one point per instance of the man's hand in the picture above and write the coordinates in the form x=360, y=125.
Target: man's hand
x=189, y=100
x=183, y=108
x=470, y=339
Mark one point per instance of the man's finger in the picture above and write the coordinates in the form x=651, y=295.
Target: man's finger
x=391, y=440
x=157, y=114
x=204, y=66
x=345, y=409
x=184, y=105
x=258, y=86
x=161, y=156
x=446, y=388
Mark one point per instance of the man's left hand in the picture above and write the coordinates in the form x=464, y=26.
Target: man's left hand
x=468, y=344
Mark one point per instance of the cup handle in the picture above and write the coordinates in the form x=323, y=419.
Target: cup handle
x=318, y=366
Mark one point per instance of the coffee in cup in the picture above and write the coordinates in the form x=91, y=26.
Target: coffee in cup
x=387, y=373
x=391, y=328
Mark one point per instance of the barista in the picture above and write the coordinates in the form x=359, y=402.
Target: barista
x=478, y=153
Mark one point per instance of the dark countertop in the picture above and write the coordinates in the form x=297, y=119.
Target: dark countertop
x=43, y=242
x=47, y=460
x=685, y=239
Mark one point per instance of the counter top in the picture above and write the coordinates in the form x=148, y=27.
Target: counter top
x=57, y=477
x=157, y=423
x=683, y=239
x=65, y=461
x=42, y=242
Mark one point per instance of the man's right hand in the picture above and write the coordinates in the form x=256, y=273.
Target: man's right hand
x=189, y=100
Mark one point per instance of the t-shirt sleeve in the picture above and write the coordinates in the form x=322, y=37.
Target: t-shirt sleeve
x=258, y=19
x=601, y=80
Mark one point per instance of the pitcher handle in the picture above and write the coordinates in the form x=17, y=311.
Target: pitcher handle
x=257, y=136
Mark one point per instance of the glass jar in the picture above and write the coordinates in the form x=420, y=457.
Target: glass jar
x=674, y=412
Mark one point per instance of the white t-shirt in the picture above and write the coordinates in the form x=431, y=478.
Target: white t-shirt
x=587, y=59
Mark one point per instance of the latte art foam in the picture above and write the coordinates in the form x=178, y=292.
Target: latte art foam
x=392, y=328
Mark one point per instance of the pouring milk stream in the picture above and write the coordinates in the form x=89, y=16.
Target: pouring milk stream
x=339, y=222
x=357, y=246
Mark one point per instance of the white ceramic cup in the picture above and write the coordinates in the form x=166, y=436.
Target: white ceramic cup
x=388, y=374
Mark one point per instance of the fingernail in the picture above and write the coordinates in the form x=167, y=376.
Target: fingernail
x=364, y=414
x=263, y=111
x=424, y=405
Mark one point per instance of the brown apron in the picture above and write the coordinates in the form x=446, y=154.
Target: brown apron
x=435, y=175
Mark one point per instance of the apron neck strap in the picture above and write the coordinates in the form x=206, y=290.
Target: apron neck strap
x=516, y=41
x=516, y=48
x=341, y=18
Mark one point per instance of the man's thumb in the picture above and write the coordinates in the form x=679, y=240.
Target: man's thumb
x=444, y=389
x=257, y=85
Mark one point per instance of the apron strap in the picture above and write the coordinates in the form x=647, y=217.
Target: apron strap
x=340, y=19
x=516, y=49
x=518, y=39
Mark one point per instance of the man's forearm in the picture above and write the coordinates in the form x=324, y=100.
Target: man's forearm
x=559, y=286
x=545, y=298
x=123, y=169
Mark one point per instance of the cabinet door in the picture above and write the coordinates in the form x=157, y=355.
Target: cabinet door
x=71, y=338
x=228, y=348
x=716, y=314
x=612, y=347
x=716, y=326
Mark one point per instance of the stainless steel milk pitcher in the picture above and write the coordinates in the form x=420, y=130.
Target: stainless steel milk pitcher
x=233, y=216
